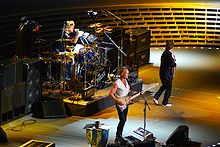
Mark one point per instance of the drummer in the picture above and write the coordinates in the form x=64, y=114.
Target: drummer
x=70, y=37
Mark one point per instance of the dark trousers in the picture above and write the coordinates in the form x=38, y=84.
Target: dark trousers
x=68, y=70
x=167, y=87
x=122, y=119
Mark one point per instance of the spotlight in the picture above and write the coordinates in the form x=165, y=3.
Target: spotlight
x=217, y=48
x=210, y=48
x=92, y=13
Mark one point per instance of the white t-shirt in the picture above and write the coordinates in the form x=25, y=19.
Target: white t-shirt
x=122, y=89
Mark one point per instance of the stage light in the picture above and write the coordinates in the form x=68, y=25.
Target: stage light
x=210, y=48
x=92, y=13
x=178, y=47
x=194, y=47
x=217, y=48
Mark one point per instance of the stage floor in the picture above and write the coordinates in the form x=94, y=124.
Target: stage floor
x=195, y=99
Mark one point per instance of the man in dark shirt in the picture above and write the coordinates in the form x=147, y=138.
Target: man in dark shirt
x=25, y=37
x=168, y=63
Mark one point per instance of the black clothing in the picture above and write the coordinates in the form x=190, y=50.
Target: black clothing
x=25, y=39
x=166, y=76
x=122, y=119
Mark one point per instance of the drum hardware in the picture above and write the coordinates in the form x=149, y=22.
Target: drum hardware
x=79, y=90
x=60, y=85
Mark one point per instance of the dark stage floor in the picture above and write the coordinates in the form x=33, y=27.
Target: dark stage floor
x=195, y=99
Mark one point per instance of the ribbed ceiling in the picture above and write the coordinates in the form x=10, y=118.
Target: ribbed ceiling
x=9, y=7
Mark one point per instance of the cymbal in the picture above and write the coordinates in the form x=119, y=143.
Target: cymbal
x=95, y=25
x=66, y=53
x=105, y=29
x=64, y=40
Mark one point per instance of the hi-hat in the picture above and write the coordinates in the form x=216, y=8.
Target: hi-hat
x=95, y=25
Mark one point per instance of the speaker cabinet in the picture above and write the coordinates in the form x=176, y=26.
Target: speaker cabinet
x=142, y=57
x=6, y=99
x=8, y=75
x=141, y=38
x=49, y=109
x=3, y=136
x=137, y=47
x=34, y=84
x=19, y=95
x=179, y=136
x=11, y=73
x=117, y=35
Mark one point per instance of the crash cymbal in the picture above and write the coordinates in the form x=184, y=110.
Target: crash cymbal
x=95, y=25
x=105, y=29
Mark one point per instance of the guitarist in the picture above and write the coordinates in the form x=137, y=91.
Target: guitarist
x=120, y=88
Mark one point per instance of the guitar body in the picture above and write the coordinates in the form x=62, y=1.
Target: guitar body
x=127, y=100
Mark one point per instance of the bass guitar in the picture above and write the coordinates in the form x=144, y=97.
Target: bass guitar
x=128, y=100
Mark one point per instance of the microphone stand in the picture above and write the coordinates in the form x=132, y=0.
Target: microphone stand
x=119, y=49
x=145, y=114
x=63, y=65
x=62, y=34
x=120, y=60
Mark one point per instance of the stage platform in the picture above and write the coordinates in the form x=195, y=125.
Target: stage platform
x=99, y=101
x=78, y=105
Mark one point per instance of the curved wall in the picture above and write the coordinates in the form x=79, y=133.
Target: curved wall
x=187, y=24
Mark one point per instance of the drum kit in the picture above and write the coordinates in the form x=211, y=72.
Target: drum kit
x=86, y=62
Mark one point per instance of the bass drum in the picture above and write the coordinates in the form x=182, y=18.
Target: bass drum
x=97, y=76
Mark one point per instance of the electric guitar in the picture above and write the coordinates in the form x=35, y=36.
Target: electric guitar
x=128, y=100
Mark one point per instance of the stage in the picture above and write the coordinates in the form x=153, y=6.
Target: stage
x=88, y=103
x=195, y=100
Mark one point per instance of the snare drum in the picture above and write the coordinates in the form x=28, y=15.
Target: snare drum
x=77, y=48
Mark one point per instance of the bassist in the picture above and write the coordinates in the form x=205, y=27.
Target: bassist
x=120, y=88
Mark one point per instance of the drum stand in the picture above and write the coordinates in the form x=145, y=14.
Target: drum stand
x=62, y=83
x=85, y=76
